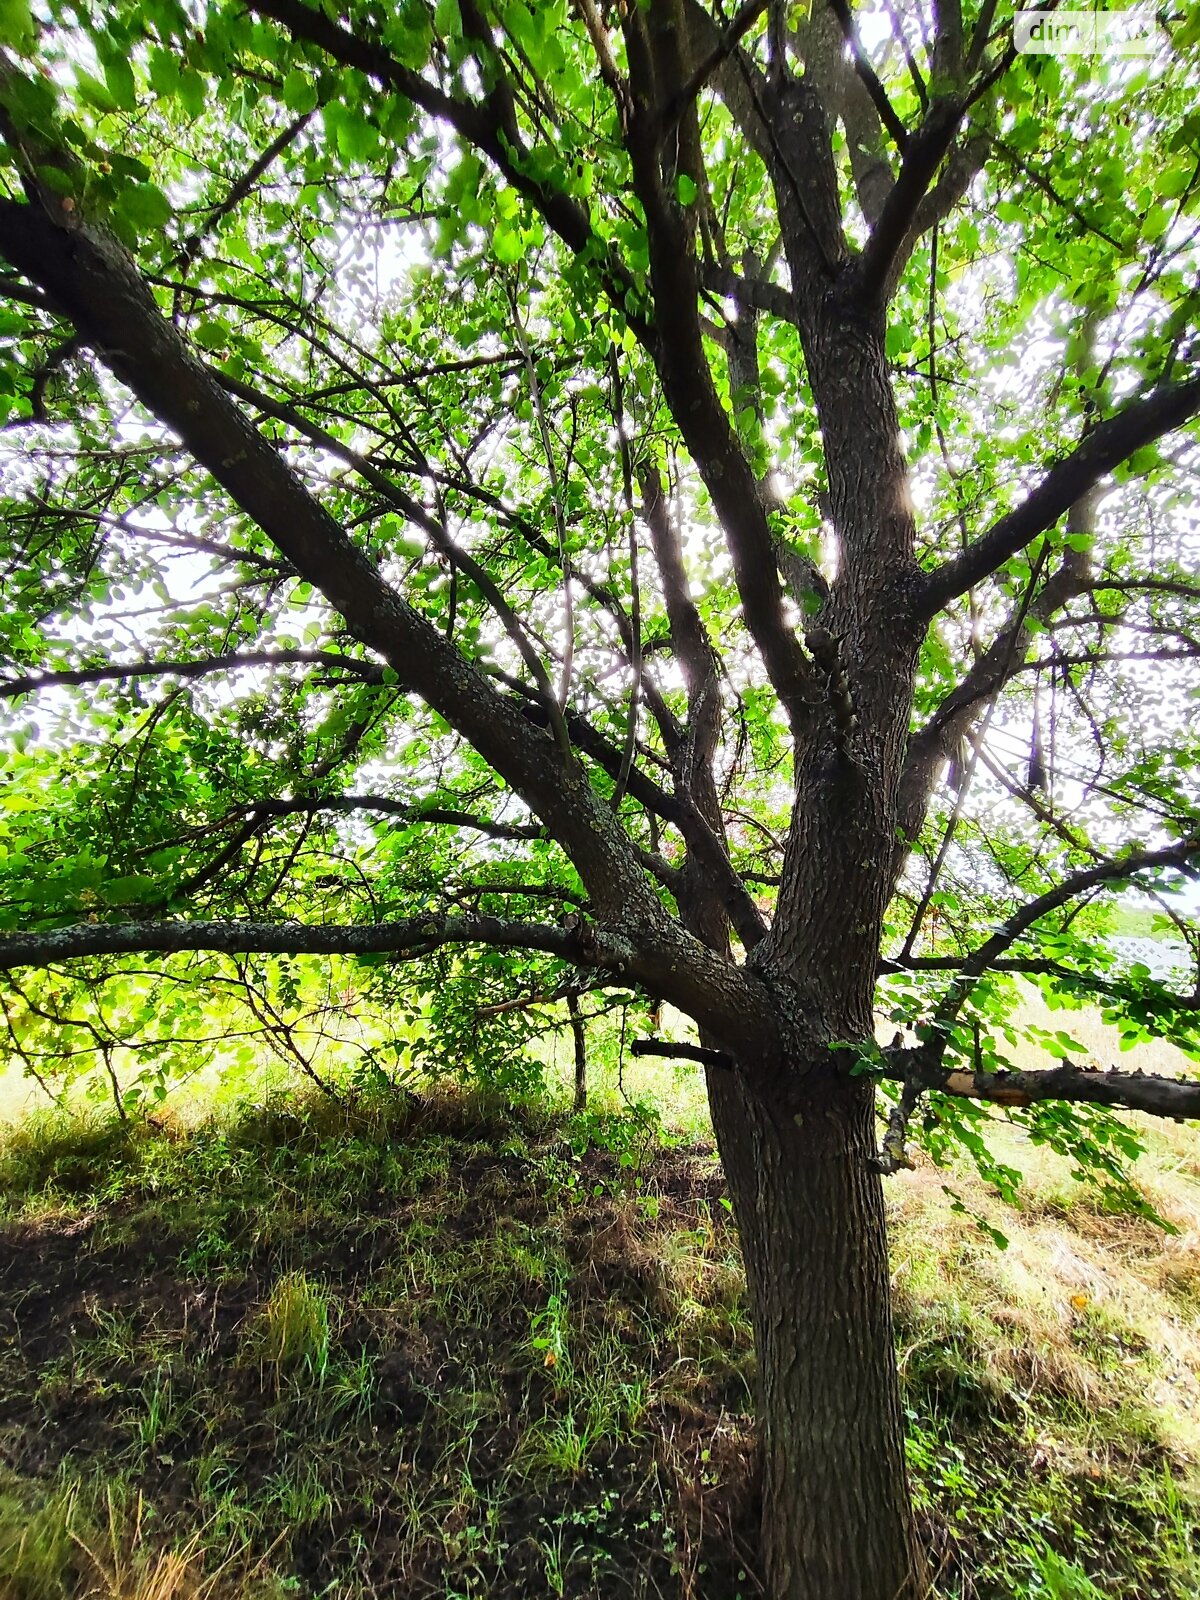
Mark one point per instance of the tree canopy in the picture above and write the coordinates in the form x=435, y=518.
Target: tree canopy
x=691, y=503
x=414, y=255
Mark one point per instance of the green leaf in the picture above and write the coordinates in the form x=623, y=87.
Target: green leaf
x=447, y=19
x=193, y=92
x=299, y=91
x=145, y=207
x=17, y=28
x=58, y=181
x=118, y=76
x=357, y=138
x=165, y=71
x=411, y=36
x=899, y=340
x=212, y=334
x=94, y=92
x=31, y=102
x=507, y=244
x=124, y=891
x=685, y=189
x=519, y=22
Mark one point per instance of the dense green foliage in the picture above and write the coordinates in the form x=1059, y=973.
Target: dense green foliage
x=440, y=369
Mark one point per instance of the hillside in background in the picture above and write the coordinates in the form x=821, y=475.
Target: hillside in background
x=443, y=1348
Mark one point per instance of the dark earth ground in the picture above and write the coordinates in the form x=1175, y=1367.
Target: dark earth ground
x=442, y=1351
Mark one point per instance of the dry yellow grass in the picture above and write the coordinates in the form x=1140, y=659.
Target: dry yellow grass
x=102, y=1554
x=1100, y=1309
x=169, y=1575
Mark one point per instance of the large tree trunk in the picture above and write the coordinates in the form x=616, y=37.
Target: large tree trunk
x=837, y=1517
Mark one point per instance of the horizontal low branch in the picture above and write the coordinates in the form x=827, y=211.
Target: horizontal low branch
x=580, y=943
x=756, y=294
x=408, y=812
x=1121, y=1091
x=682, y=1052
x=1117, y=870
x=1107, y=985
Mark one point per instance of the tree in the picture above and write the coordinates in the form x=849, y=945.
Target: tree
x=643, y=461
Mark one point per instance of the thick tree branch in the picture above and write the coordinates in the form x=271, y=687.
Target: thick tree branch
x=481, y=126
x=1103, y=448
x=96, y=282
x=413, y=936
x=410, y=813
x=703, y=825
x=197, y=667
x=1071, y=887
x=734, y=1005
x=820, y=43
x=14, y=289
x=1172, y=586
x=963, y=163
x=982, y=35
x=1130, y=1091
x=753, y=293
x=1126, y=1091
x=893, y=1148
x=879, y=99
x=941, y=735
x=948, y=39
x=727, y=42
x=683, y=366
x=602, y=46
x=689, y=638
x=397, y=496
x=924, y=152
x=682, y=1052
x=1074, y=978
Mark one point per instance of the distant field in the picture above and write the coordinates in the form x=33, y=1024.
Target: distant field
x=674, y=1088
x=1137, y=922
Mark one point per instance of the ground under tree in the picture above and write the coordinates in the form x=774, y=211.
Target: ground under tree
x=695, y=501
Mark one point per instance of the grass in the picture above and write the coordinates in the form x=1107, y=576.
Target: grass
x=1140, y=922
x=291, y=1332
x=448, y=1349
x=94, y=1543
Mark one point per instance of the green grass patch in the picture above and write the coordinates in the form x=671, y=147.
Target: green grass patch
x=445, y=1349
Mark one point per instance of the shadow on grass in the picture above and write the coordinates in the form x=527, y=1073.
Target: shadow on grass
x=457, y=1348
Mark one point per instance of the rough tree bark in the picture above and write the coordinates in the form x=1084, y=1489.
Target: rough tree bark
x=809, y=1208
